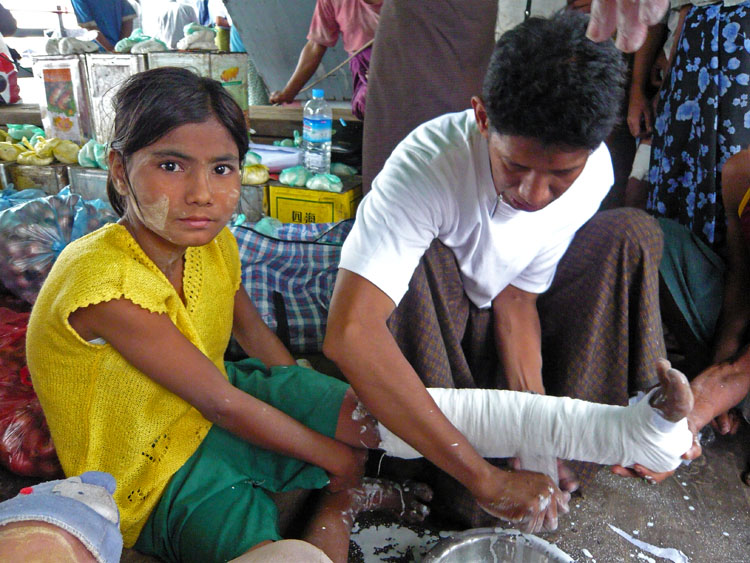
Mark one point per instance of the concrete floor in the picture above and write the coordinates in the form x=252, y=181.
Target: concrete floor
x=703, y=511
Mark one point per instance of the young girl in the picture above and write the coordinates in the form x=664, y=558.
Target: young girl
x=127, y=338
x=126, y=343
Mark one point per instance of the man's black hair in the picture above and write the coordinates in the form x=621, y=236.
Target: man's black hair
x=547, y=81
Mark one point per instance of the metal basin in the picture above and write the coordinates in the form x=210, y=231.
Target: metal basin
x=495, y=545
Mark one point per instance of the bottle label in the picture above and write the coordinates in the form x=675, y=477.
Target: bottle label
x=316, y=130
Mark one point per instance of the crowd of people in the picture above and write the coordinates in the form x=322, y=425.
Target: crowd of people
x=479, y=260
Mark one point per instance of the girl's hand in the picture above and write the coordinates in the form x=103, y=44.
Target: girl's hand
x=349, y=470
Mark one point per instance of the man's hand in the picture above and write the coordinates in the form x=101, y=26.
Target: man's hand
x=640, y=115
x=631, y=18
x=280, y=97
x=529, y=500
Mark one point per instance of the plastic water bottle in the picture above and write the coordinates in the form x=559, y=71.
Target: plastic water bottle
x=316, y=133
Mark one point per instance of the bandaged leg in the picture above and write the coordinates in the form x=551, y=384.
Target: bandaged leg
x=539, y=428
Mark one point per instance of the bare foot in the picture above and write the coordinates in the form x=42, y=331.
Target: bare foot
x=674, y=399
x=405, y=501
x=567, y=478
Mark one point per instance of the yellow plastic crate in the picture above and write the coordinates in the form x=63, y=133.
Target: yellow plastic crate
x=300, y=205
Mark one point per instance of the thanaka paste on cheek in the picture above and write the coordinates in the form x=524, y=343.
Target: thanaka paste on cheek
x=154, y=214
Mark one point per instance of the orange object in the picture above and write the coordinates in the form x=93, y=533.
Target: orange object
x=230, y=73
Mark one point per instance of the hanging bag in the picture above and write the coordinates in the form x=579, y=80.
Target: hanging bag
x=10, y=93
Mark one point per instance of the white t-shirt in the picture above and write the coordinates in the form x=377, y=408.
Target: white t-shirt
x=437, y=184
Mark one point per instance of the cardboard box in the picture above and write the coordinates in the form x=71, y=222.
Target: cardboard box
x=300, y=205
x=65, y=104
x=253, y=203
x=89, y=183
x=51, y=177
x=230, y=69
x=106, y=73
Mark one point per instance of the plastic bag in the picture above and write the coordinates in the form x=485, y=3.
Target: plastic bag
x=20, y=130
x=341, y=169
x=325, y=182
x=26, y=447
x=10, y=197
x=251, y=158
x=9, y=151
x=66, y=152
x=254, y=174
x=295, y=176
x=93, y=155
x=34, y=233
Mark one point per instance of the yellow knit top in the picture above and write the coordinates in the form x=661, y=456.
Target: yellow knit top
x=102, y=412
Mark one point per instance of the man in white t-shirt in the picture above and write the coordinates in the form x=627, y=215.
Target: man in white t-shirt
x=467, y=224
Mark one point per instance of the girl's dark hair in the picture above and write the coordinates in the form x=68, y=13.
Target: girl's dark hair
x=152, y=103
x=548, y=82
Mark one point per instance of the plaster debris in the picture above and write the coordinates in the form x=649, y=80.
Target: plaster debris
x=691, y=507
x=392, y=542
x=587, y=553
x=686, y=497
x=670, y=553
x=725, y=534
x=650, y=524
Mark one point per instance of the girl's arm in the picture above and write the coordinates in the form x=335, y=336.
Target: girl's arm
x=254, y=336
x=154, y=345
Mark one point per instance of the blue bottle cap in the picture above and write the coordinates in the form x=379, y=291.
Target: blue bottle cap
x=318, y=93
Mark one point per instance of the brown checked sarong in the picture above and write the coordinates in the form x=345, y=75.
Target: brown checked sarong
x=601, y=331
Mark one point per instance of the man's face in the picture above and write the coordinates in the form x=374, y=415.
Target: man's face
x=527, y=174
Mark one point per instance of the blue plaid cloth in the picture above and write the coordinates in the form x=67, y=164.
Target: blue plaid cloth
x=297, y=268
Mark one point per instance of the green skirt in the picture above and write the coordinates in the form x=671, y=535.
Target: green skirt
x=215, y=507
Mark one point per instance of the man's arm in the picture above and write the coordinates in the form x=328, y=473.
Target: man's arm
x=126, y=28
x=359, y=342
x=309, y=59
x=631, y=19
x=7, y=22
x=518, y=338
x=100, y=38
x=640, y=112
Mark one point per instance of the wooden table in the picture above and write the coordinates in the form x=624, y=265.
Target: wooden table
x=20, y=113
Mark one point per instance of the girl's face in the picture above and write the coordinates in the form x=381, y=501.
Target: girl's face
x=184, y=187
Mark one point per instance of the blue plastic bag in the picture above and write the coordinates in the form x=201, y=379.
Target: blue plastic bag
x=32, y=235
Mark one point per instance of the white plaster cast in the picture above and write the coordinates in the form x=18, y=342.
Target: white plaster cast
x=539, y=428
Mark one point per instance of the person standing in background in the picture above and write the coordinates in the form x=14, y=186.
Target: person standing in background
x=111, y=19
x=7, y=21
x=452, y=42
x=356, y=21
